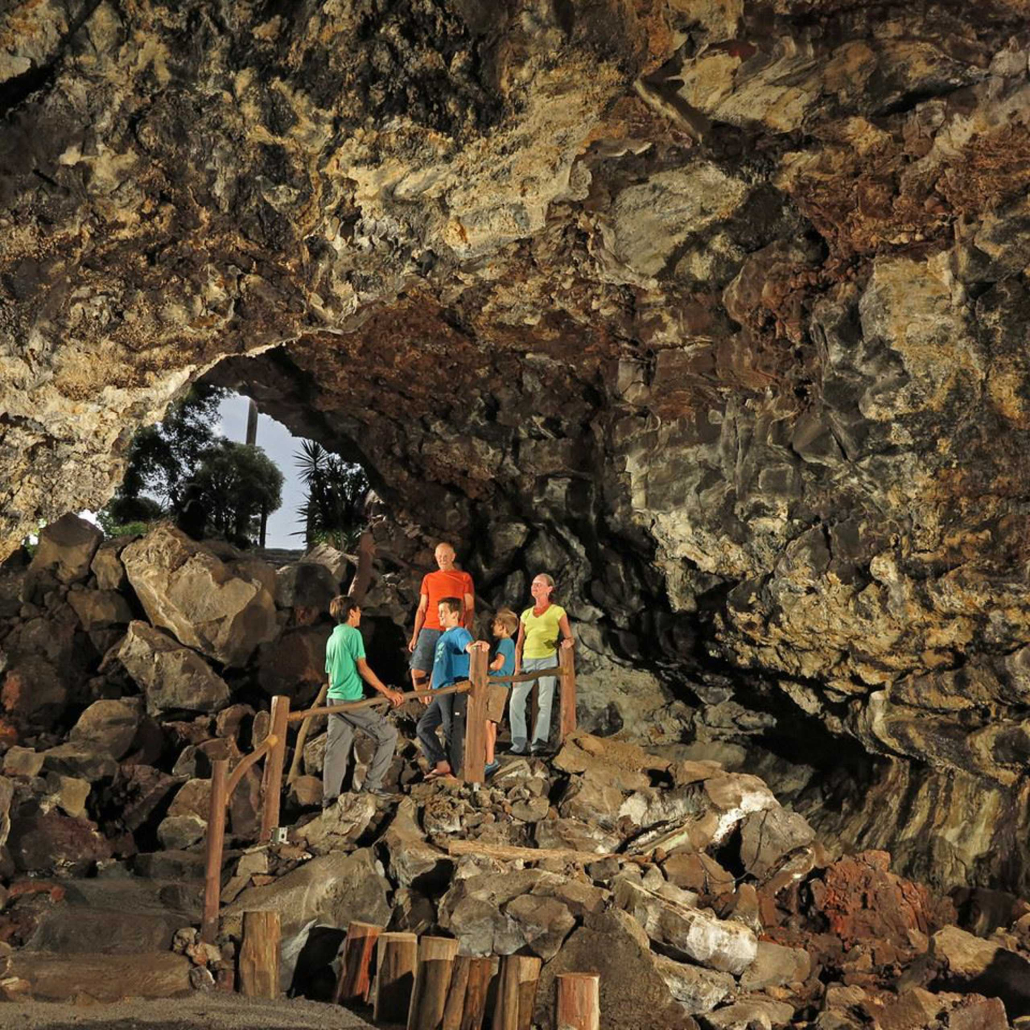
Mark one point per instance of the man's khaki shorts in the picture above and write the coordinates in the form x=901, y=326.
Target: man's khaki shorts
x=496, y=702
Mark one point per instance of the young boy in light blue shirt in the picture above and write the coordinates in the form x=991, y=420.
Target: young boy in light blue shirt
x=450, y=665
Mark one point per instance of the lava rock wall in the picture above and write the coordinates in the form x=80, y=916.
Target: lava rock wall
x=716, y=310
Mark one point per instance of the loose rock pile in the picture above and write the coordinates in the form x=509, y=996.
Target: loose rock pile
x=690, y=889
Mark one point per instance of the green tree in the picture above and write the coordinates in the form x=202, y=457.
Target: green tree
x=336, y=488
x=161, y=460
x=240, y=486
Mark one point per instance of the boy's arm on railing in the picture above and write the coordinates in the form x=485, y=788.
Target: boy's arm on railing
x=353, y=706
x=365, y=672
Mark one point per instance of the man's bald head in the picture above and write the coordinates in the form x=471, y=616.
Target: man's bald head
x=444, y=555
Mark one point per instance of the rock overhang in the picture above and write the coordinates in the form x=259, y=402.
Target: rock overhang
x=725, y=307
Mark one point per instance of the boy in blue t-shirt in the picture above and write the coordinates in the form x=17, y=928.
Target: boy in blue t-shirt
x=450, y=665
x=503, y=627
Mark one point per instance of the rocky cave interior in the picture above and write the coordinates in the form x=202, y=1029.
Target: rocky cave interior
x=717, y=311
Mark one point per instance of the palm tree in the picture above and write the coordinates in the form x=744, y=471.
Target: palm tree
x=333, y=510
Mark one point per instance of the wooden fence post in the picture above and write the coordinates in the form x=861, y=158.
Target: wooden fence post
x=578, y=1003
x=474, y=760
x=432, y=979
x=567, y=711
x=355, y=983
x=516, y=993
x=215, y=844
x=272, y=781
x=466, y=999
x=396, y=957
x=259, y=955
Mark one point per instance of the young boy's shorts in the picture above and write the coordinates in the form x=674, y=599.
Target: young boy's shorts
x=496, y=702
x=425, y=650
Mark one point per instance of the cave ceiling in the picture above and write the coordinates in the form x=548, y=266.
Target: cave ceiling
x=724, y=304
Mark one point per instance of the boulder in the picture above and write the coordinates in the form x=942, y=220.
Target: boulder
x=172, y=677
x=179, y=832
x=219, y=608
x=22, y=761
x=109, y=726
x=734, y=796
x=411, y=860
x=336, y=889
x=67, y=793
x=696, y=871
x=47, y=841
x=100, y=609
x=964, y=955
x=633, y=993
x=501, y=913
x=695, y=988
x=107, y=566
x=34, y=693
x=689, y=933
x=84, y=761
x=81, y=978
x=66, y=548
x=750, y=1014
x=340, y=824
x=335, y=562
x=294, y=665
x=767, y=836
x=776, y=965
x=978, y=1014
x=306, y=792
x=412, y=912
x=305, y=584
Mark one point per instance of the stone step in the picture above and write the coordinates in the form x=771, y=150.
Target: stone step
x=92, y=977
x=116, y=917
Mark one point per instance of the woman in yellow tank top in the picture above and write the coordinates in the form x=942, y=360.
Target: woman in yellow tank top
x=537, y=648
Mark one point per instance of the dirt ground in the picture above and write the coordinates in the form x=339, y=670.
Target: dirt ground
x=210, y=1012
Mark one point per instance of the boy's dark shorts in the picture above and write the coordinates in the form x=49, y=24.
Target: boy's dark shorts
x=496, y=702
x=425, y=650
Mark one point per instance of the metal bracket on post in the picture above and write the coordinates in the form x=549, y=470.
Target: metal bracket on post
x=280, y=834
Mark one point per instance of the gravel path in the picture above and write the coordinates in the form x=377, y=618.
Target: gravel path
x=211, y=1012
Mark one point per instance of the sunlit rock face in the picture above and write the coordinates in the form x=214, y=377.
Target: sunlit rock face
x=717, y=310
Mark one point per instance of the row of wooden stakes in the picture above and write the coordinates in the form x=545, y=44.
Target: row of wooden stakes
x=423, y=983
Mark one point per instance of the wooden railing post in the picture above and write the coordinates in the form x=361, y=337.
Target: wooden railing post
x=259, y=954
x=215, y=844
x=567, y=712
x=578, y=1001
x=272, y=781
x=355, y=982
x=474, y=763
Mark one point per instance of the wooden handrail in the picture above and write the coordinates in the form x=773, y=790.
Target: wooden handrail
x=352, y=706
x=525, y=677
x=245, y=763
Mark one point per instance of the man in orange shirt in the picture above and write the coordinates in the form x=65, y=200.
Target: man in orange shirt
x=447, y=582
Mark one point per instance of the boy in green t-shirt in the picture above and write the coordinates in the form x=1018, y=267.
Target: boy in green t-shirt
x=346, y=667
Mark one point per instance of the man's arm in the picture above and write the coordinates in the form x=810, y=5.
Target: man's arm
x=420, y=618
x=394, y=696
x=469, y=611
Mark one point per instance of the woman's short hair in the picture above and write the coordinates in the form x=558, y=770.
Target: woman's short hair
x=340, y=607
x=508, y=619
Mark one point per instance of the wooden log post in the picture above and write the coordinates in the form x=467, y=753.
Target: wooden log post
x=567, y=709
x=579, y=1001
x=272, y=781
x=355, y=981
x=474, y=764
x=432, y=981
x=466, y=999
x=396, y=958
x=215, y=845
x=516, y=994
x=259, y=955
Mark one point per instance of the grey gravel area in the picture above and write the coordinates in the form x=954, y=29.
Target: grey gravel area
x=211, y=1012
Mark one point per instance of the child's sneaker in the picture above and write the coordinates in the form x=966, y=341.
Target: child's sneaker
x=490, y=768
